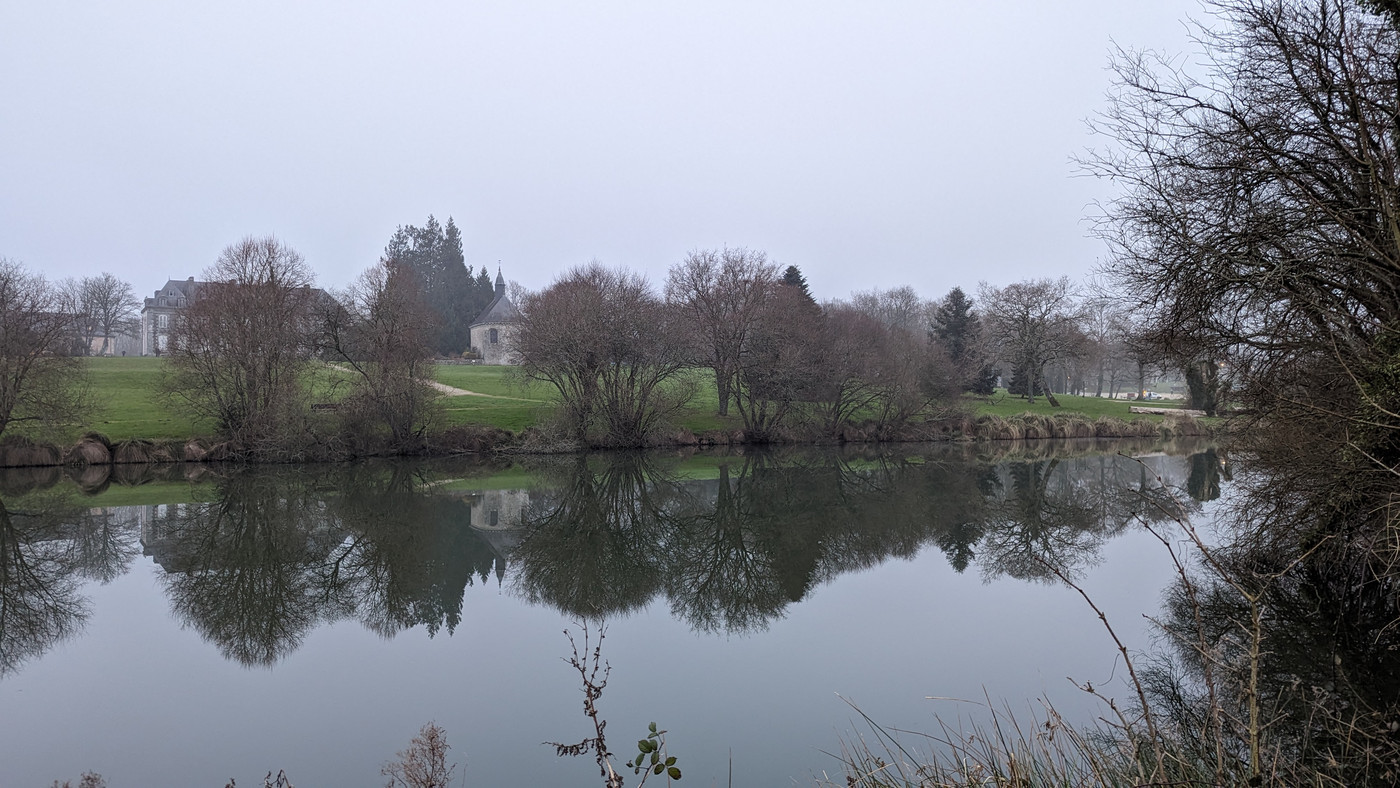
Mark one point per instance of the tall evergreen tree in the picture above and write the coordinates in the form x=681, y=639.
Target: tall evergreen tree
x=434, y=254
x=955, y=324
x=792, y=277
x=482, y=287
x=957, y=327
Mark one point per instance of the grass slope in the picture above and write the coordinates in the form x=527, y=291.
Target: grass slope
x=1003, y=405
x=128, y=405
x=125, y=392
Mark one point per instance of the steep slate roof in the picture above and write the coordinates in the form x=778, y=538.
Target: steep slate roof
x=189, y=290
x=500, y=310
x=183, y=288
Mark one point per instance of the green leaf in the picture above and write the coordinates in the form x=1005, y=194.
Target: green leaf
x=671, y=761
x=673, y=773
x=652, y=727
x=645, y=746
x=655, y=756
x=657, y=769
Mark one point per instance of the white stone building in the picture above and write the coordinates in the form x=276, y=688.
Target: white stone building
x=158, y=312
x=494, y=330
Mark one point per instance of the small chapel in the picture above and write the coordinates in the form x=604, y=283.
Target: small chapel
x=493, y=331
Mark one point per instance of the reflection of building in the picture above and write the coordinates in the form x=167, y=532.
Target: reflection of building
x=493, y=331
x=497, y=516
x=160, y=527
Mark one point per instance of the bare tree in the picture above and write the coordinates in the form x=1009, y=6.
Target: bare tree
x=108, y=305
x=721, y=293
x=782, y=361
x=1032, y=324
x=1260, y=200
x=879, y=372
x=899, y=307
x=41, y=385
x=611, y=348
x=82, y=328
x=855, y=345
x=382, y=330
x=1106, y=327
x=424, y=763
x=239, y=354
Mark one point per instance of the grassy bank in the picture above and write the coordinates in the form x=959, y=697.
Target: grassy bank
x=128, y=407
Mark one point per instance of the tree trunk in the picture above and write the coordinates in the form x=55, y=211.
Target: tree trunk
x=722, y=387
x=1049, y=395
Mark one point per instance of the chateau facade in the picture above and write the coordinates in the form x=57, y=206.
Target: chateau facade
x=158, y=313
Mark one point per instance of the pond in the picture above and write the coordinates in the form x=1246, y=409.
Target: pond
x=183, y=626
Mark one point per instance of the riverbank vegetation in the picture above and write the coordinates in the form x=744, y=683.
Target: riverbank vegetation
x=494, y=410
x=1255, y=232
x=256, y=363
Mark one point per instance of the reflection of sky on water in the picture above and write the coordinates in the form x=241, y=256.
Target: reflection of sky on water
x=145, y=701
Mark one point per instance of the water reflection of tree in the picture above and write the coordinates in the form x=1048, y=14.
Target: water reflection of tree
x=48, y=546
x=1033, y=518
x=410, y=555
x=279, y=553
x=730, y=562
x=1328, y=670
x=246, y=569
x=731, y=553
x=594, y=537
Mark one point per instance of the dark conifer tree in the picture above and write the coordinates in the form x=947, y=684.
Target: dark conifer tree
x=792, y=277
x=434, y=254
x=959, y=330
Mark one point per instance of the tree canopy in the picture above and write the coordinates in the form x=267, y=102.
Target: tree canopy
x=433, y=254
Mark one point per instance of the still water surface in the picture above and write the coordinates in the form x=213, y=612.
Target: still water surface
x=172, y=631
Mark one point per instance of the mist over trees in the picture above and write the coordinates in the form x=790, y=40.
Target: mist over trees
x=102, y=306
x=454, y=297
x=1256, y=223
x=885, y=364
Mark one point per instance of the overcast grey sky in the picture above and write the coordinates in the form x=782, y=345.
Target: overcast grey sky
x=874, y=144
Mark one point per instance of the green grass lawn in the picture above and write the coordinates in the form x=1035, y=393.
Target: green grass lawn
x=513, y=404
x=1003, y=405
x=128, y=404
x=500, y=398
x=125, y=392
x=153, y=493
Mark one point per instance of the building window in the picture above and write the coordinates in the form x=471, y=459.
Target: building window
x=163, y=321
x=495, y=337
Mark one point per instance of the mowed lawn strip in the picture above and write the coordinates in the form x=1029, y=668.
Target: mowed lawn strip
x=507, y=403
x=128, y=405
x=1004, y=405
